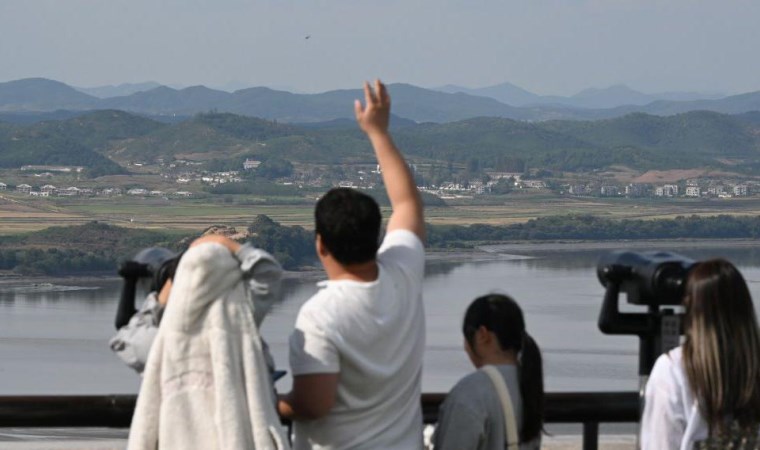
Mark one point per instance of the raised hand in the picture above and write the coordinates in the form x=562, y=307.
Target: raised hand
x=218, y=239
x=374, y=117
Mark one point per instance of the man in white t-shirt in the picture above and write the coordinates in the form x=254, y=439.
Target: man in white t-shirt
x=356, y=352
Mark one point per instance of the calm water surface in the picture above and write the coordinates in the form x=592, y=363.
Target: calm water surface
x=56, y=342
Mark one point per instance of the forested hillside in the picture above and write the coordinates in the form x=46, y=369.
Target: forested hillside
x=78, y=141
x=93, y=247
x=641, y=141
x=691, y=140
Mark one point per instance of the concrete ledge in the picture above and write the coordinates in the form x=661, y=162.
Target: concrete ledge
x=115, y=439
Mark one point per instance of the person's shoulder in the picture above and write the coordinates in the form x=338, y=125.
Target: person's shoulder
x=470, y=385
x=317, y=301
x=320, y=307
x=672, y=360
x=675, y=356
x=469, y=393
x=669, y=368
x=402, y=238
x=404, y=249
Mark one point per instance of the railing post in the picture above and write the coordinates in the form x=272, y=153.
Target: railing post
x=590, y=435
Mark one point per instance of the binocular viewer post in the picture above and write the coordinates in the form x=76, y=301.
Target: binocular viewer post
x=651, y=279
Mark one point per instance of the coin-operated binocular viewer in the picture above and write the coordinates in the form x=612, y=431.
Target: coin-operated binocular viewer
x=652, y=279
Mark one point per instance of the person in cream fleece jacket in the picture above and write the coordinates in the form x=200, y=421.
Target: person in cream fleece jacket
x=206, y=383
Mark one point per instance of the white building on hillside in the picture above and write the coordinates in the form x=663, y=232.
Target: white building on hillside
x=578, y=189
x=534, y=184
x=109, y=192
x=716, y=190
x=72, y=191
x=609, y=191
x=692, y=191
x=499, y=175
x=669, y=190
x=478, y=187
x=23, y=189
x=250, y=164
x=741, y=190
x=64, y=169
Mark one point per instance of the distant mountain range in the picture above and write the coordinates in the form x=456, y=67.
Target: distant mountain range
x=120, y=90
x=40, y=94
x=593, y=98
x=410, y=102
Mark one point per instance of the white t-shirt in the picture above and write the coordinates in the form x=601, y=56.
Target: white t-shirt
x=671, y=418
x=373, y=335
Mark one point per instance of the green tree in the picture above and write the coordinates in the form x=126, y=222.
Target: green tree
x=275, y=167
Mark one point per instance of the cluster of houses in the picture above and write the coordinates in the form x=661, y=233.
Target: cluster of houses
x=49, y=190
x=720, y=191
x=184, y=177
x=691, y=188
x=479, y=187
x=365, y=177
x=213, y=179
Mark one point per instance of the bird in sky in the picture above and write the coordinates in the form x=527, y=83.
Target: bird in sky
x=307, y=37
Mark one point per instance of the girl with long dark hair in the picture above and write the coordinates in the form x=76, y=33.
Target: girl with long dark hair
x=706, y=393
x=508, y=388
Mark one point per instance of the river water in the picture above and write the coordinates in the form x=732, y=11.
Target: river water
x=53, y=339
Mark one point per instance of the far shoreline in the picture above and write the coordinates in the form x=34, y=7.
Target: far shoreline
x=484, y=252
x=633, y=244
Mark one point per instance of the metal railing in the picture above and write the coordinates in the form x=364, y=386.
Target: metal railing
x=587, y=408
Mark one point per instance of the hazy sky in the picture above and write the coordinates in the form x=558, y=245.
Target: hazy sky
x=546, y=46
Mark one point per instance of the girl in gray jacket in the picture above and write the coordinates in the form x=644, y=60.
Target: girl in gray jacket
x=472, y=416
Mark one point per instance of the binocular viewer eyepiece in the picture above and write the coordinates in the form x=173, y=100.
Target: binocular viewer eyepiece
x=653, y=278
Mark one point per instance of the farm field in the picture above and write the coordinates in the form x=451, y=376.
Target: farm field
x=521, y=208
x=20, y=214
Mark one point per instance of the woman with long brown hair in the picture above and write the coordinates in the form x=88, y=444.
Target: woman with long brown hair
x=706, y=393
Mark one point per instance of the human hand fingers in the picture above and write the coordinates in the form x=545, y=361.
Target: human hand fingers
x=358, y=109
x=369, y=98
x=382, y=92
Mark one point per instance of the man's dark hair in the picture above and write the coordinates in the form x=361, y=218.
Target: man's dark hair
x=348, y=222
